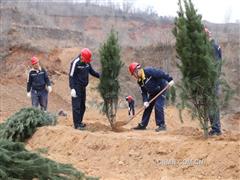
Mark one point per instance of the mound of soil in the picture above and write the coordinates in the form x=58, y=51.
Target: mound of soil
x=180, y=152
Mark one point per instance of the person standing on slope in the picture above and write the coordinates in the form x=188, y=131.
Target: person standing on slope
x=38, y=85
x=215, y=117
x=78, y=81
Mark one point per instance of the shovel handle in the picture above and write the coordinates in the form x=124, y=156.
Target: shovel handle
x=155, y=97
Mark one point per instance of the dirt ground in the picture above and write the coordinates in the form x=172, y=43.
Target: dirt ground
x=181, y=152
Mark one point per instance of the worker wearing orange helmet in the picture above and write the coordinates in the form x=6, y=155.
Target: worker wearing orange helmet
x=151, y=82
x=78, y=81
x=38, y=85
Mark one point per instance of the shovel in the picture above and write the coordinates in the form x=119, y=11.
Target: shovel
x=123, y=123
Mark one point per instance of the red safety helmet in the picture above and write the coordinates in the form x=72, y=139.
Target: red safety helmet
x=86, y=55
x=34, y=60
x=130, y=97
x=132, y=67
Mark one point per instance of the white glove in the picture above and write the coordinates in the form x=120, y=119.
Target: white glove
x=146, y=104
x=49, y=89
x=129, y=109
x=29, y=94
x=73, y=93
x=171, y=83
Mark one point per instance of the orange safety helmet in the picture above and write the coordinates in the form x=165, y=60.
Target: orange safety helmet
x=34, y=60
x=86, y=55
x=132, y=67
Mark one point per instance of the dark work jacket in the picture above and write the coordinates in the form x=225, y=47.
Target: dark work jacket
x=216, y=50
x=37, y=80
x=79, y=73
x=155, y=80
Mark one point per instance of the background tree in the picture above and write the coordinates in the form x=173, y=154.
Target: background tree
x=109, y=85
x=199, y=69
x=171, y=96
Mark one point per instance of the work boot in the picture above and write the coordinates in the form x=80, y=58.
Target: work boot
x=139, y=127
x=81, y=126
x=161, y=128
x=213, y=133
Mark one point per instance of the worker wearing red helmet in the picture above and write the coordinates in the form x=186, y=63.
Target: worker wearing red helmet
x=78, y=81
x=38, y=85
x=131, y=110
x=151, y=82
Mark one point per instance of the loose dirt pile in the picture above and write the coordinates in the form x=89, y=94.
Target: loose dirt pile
x=181, y=152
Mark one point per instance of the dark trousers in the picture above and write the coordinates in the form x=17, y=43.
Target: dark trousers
x=78, y=106
x=131, y=108
x=215, y=117
x=40, y=98
x=159, y=111
x=215, y=121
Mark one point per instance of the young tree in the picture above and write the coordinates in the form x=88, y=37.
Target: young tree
x=109, y=85
x=197, y=65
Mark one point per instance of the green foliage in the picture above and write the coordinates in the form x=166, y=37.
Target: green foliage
x=24, y=123
x=42, y=150
x=199, y=69
x=18, y=163
x=111, y=65
x=171, y=95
